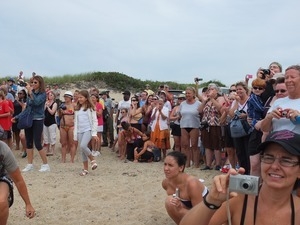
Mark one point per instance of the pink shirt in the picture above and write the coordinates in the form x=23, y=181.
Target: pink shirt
x=99, y=118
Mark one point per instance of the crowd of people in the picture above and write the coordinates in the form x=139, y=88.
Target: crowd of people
x=141, y=126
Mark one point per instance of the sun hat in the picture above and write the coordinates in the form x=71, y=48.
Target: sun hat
x=181, y=96
x=68, y=94
x=289, y=140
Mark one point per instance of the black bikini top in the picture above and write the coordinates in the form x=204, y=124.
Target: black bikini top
x=255, y=210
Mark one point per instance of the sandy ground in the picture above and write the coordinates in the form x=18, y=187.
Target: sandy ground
x=114, y=193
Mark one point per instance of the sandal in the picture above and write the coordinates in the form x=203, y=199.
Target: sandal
x=94, y=164
x=84, y=172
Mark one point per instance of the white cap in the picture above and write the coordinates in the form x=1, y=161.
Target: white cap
x=68, y=94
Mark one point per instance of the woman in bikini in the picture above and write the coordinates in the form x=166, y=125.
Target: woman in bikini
x=66, y=114
x=184, y=191
x=129, y=139
x=274, y=204
x=135, y=113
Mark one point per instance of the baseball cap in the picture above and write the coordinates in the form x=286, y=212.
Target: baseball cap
x=126, y=92
x=68, y=94
x=181, y=96
x=103, y=93
x=289, y=140
x=11, y=79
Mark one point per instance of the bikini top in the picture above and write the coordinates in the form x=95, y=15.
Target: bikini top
x=255, y=210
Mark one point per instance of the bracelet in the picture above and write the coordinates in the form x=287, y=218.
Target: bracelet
x=209, y=205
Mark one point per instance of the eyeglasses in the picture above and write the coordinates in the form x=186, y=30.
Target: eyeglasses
x=20, y=93
x=281, y=91
x=269, y=159
x=154, y=98
x=232, y=91
x=258, y=88
x=34, y=82
x=180, y=98
x=123, y=112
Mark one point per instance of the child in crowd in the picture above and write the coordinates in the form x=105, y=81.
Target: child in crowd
x=145, y=153
x=85, y=129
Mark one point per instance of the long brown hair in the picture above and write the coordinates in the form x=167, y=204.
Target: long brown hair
x=41, y=83
x=88, y=104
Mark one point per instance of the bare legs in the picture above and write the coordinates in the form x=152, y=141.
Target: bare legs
x=189, y=146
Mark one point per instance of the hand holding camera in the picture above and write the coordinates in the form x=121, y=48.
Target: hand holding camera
x=197, y=79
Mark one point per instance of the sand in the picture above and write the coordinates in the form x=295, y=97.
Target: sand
x=115, y=193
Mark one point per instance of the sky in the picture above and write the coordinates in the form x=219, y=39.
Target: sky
x=157, y=40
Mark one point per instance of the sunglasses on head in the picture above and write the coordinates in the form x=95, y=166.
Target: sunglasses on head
x=258, y=88
x=280, y=90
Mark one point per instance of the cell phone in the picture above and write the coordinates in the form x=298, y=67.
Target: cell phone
x=249, y=76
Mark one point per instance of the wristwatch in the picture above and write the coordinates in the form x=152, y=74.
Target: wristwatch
x=209, y=205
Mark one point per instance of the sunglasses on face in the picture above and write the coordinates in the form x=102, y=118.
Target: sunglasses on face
x=34, y=82
x=232, y=91
x=258, y=88
x=180, y=98
x=133, y=100
x=281, y=91
x=123, y=112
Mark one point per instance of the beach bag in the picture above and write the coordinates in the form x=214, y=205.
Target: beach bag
x=156, y=154
x=239, y=127
x=25, y=119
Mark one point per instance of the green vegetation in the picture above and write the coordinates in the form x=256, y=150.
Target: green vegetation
x=118, y=81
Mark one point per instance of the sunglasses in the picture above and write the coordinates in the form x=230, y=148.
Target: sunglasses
x=154, y=98
x=281, y=91
x=180, y=98
x=123, y=112
x=34, y=82
x=133, y=100
x=232, y=91
x=258, y=88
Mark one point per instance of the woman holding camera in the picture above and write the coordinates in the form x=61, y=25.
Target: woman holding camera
x=239, y=107
x=284, y=111
x=211, y=133
x=36, y=103
x=274, y=204
x=50, y=125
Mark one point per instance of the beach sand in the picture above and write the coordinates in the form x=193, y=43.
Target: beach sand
x=115, y=193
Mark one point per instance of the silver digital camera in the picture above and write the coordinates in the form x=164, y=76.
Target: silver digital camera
x=244, y=184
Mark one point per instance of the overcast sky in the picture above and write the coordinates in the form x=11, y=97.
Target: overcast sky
x=159, y=40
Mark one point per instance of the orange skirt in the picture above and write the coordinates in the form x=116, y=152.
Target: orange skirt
x=161, y=138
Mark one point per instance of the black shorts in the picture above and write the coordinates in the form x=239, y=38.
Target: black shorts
x=9, y=182
x=176, y=130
